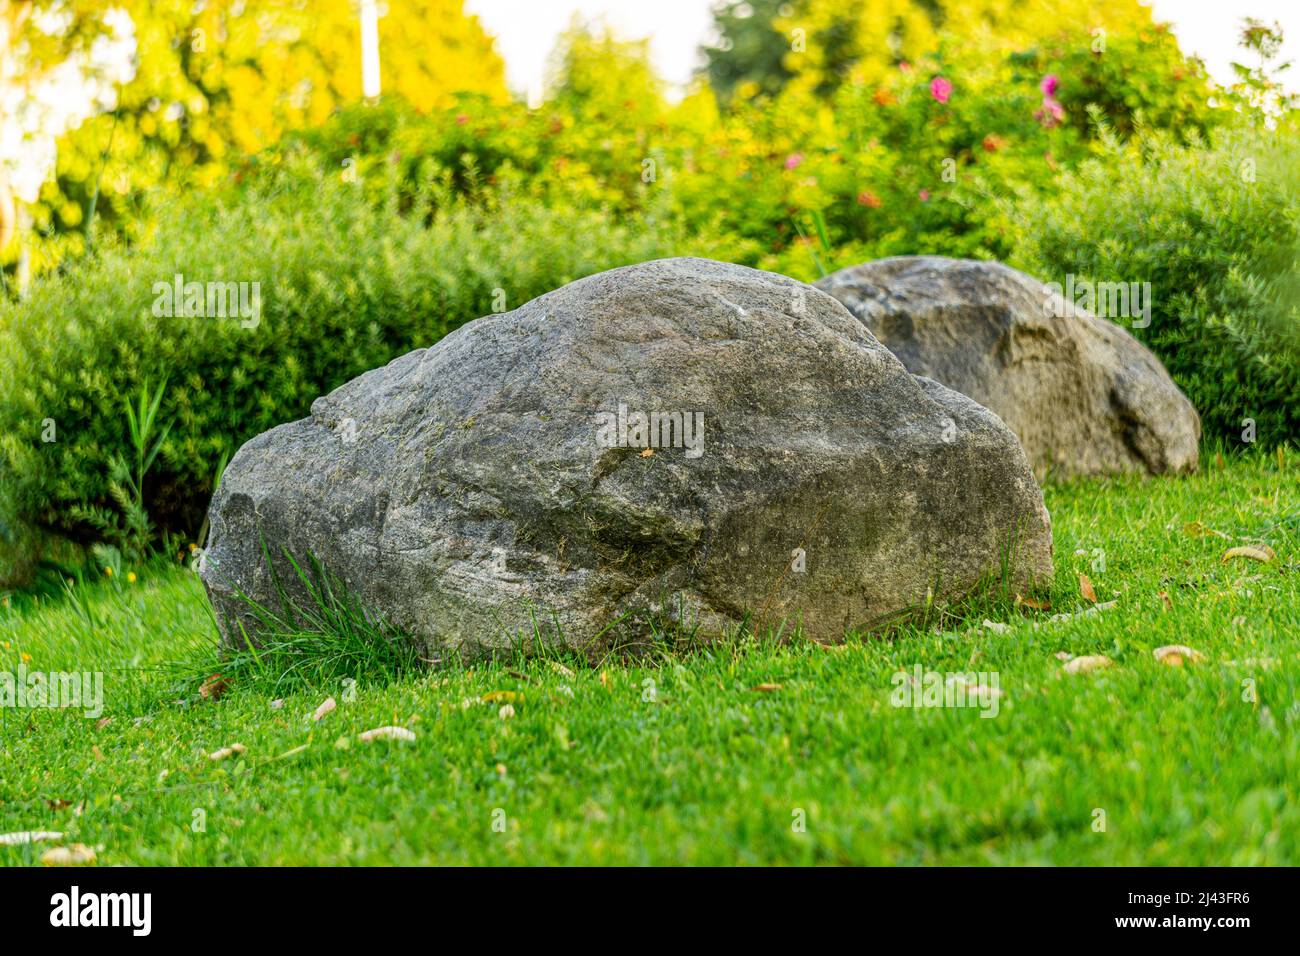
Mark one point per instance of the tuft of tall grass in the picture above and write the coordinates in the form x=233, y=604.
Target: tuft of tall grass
x=312, y=635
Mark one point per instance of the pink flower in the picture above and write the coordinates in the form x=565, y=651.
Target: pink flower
x=924, y=195
x=1050, y=114
x=793, y=160
x=1051, y=83
x=940, y=89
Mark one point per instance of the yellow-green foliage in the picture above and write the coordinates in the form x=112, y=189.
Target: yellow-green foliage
x=217, y=81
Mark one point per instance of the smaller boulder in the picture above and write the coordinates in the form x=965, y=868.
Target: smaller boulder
x=1083, y=396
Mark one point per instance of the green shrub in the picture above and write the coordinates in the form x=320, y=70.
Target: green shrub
x=346, y=284
x=1217, y=234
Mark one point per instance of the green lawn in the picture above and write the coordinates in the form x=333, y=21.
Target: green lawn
x=602, y=766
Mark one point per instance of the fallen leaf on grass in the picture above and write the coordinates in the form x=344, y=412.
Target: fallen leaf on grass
x=103, y=722
x=1176, y=655
x=1086, y=589
x=828, y=648
x=505, y=695
x=225, y=752
x=277, y=704
x=58, y=804
x=1195, y=529
x=96, y=752
x=28, y=836
x=293, y=753
x=506, y=712
x=213, y=687
x=1168, y=601
x=74, y=854
x=1089, y=662
x=561, y=669
x=386, y=733
x=324, y=708
x=1032, y=603
x=767, y=688
x=995, y=627
x=649, y=452
x=1261, y=552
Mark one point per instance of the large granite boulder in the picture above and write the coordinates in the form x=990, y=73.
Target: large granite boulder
x=681, y=440
x=1083, y=395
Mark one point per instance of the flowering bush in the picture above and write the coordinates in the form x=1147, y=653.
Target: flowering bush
x=914, y=163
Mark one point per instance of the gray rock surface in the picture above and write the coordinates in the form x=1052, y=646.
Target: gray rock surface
x=472, y=491
x=1083, y=395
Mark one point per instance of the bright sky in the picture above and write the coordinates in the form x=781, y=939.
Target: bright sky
x=1209, y=29
x=526, y=31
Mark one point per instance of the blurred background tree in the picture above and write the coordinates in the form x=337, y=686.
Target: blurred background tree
x=598, y=77
x=59, y=64
x=848, y=41
x=217, y=80
x=1259, y=87
x=748, y=54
